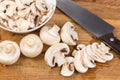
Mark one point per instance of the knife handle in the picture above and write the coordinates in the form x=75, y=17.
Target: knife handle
x=111, y=41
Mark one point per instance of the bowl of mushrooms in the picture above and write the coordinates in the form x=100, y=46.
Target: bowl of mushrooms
x=23, y=16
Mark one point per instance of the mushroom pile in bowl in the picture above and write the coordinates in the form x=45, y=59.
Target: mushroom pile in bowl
x=23, y=16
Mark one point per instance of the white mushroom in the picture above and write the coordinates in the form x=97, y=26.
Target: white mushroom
x=20, y=5
x=11, y=10
x=50, y=35
x=9, y=52
x=22, y=24
x=80, y=66
x=103, y=51
x=31, y=45
x=68, y=35
x=33, y=8
x=68, y=67
x=24, y=12
x=27, y=2
x=41, y=5
x=56, y=54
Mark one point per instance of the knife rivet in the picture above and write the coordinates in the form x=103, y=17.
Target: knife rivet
x=112, y=39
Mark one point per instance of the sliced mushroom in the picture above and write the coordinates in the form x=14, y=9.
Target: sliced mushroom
x=41, y=5
x=31, y=45
x=50, y=35
x=9, y=52
x=68, y=35
x=11, y=10
x=24, y=12
x=22, y=24
x=79, y=63
x=11, y=23
x=27, y=2
x=103, y=50
x=87, y=60
x=56, y=54
x=20, y=5
x=94, y=56
x=68, y=67
x=33, y=8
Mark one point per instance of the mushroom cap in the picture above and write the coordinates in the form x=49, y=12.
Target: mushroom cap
x=31, y=45
x=50, y=35
x=68, y=35
x=68, y=67
x=9, y=52
x=56, y=54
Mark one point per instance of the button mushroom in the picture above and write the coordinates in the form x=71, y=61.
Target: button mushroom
x=68, y=35
x=50, y=35
x=56, y=54
x=31, y=45
x=9, y=52
x=68, y=67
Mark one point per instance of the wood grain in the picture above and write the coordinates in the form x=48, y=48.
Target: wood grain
x=37, y=69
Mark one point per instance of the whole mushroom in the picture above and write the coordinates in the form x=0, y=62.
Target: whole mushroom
x=68, y=35
x=9, y=52
x=68, y=67
x=50, y=35
x=31, y=45
x=56, y=54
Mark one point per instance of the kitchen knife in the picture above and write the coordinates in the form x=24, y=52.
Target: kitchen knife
x=90, y=22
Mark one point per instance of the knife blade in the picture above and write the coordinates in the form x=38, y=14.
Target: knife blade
x=90, y=22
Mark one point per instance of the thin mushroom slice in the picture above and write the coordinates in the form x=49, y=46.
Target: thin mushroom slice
x=93, y=55
x=88, y=61
x=41, y=5
x=9, y=52
x=31, y=45
x=52, y=34
x=68, y=34
x=22, y=24
x=68, y=67
x=104, y=50
x=78, y=62
x=56, y=54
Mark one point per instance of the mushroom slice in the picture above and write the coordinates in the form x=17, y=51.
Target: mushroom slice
x=24, y=12
x=27, y=2
x=2, y=7
x=68, y=35
x=20, y=5
x=88, y=61
x=33, y=9
x=22, y=24
x=79, y=60
x=11, y=10
x=9, y=52
x=41, y=5
x=56, y=54
x=31, y=45
x=52, y=34
x=79, y=63
x=104, y=50
x=93, y=55
x=68, y=67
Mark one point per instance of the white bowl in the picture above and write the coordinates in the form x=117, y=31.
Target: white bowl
x=30, y=30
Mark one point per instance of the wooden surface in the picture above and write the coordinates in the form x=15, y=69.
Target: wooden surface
x=37, y=69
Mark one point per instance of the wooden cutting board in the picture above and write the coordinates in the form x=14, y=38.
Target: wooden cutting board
x=37, y=69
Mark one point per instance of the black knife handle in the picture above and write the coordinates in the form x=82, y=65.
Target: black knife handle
x=111, y=41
